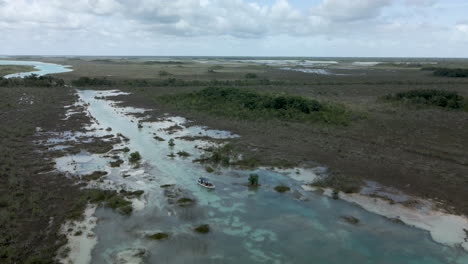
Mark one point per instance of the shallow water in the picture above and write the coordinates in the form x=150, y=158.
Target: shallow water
x=247, y=225
x=42, y=68
x=308, y=70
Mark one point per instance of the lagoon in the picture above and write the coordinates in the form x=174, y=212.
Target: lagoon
x=43, y=68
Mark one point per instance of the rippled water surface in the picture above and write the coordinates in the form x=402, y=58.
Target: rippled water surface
x=247, y=225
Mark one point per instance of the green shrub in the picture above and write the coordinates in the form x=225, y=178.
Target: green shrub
x=450, y=72
x=109, y=198
x=282, y=188
x=171, y=142
x=158, y=236
x=32, y=80
x=245, y=104
x=439, y=98
x=86, y=81
x=125, y=210
x=351, y=219
x=94, y=176
x=336, y=194
x=202, y=229
x=340, y=182
x=134, y=157
x=253, y=179
x=164, y=73
x=185, y=200
x=251, y=75
x=116, y=163
x=183, y=154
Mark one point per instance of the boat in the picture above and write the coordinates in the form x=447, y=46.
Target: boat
x=205, y=183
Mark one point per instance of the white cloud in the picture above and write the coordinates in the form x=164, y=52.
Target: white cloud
x=344, y=10
x=86, y=24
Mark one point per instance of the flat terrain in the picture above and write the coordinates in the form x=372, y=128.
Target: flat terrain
x=419, y=149
x=8, y=69
x=34, y=200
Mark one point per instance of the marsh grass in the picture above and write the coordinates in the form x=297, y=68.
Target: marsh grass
x=340, y=182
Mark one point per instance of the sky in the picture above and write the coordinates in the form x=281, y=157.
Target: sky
x=307, y=28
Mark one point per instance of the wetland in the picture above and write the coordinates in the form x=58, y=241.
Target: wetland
x=341, y=163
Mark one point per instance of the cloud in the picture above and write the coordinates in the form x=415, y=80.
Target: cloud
x=344, y=10
x=421, y=3
x=217, y=24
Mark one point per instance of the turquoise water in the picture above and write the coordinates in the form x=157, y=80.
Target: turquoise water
x=247, y=225
x=42, y=68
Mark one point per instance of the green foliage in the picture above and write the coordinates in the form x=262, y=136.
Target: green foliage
x=220, y=155
x=227, y=155
x=246, y=104
x=116, y=163
x=253, y=179
x=158, y=236
x=439, y=98
x=176, y=82
x=126, y=149
x=159, y=138
x=282, y=188
x=338, y=181
x=86, y=81
x=208, y=169
x=184, y=201
x=183, y=154
x=164, y=73
x=94, y=176
x=448, y=72
x=351, y=219
x=32, y=80
x=251, y=75
x=171, y=142
x=202, y=229
x=134, y=157
x=336, y=194
x=110, y=199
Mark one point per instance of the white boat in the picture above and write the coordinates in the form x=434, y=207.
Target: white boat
x=205, y=183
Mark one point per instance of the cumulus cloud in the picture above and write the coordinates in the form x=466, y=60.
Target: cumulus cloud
x=121, y=23
x=343, y=10
x=237, y=18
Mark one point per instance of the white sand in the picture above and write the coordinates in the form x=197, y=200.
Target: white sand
x=80, y=246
